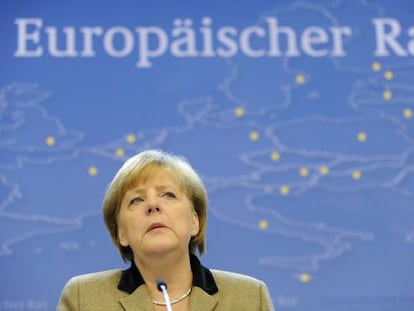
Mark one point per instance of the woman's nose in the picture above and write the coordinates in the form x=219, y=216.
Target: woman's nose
x=153, y=209
x=153, y=205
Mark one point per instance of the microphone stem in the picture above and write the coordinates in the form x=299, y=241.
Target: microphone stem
x=166, y=298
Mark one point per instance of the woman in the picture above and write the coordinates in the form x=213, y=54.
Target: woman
x=156, y=212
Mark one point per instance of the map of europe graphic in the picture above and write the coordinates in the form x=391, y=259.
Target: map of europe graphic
x=308, y=161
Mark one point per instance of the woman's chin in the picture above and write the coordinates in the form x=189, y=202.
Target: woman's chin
x=161, y=248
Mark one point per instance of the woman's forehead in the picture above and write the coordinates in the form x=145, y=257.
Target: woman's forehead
x=159, y=174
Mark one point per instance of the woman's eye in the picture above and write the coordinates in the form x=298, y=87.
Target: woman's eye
x=136, y=200
x=169, y=195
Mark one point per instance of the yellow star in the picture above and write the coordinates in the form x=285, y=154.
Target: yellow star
x=387, y=95
x=92, y=171
x=362, y=136
x=303, y=171
x=324, y=170
x=50, y=141
x=130, y=138
x=356, y=175
x=305, y=277
x=254, y=135
x=389, y=75
x=120, y=152
x=239, y=112
x=376, y=66
x=408, y=113
x=263, y=224
x=275, y=156
x=284, y=190
x=300, y=79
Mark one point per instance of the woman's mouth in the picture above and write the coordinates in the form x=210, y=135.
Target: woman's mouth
x=156, y=226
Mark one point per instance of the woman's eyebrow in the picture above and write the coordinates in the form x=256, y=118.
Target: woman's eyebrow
x=133, y=192
x=141, y=190
x=164, y=187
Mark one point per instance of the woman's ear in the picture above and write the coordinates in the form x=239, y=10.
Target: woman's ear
x=195, y=224
x=122, y=238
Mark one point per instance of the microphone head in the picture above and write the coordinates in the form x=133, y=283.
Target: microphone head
x=161, y=284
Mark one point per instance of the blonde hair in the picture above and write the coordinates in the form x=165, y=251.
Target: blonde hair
x=139, y=166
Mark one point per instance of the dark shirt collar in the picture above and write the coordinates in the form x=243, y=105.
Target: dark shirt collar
x=131, y=278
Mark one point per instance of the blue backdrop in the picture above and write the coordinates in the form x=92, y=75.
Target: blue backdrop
x=298, y=115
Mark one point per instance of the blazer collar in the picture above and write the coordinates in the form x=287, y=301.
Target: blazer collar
x=141, y=300
x=204, y=287
x=138, y=300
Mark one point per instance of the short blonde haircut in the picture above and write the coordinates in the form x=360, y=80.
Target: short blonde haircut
x=139, y=167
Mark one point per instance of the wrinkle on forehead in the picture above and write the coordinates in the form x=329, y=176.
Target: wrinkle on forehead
x=148, y=172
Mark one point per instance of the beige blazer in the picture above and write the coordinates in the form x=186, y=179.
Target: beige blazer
x=98, y=291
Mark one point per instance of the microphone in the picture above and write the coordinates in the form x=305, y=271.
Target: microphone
x=162, y=287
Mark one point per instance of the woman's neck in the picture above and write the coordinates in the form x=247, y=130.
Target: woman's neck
x=174, y=270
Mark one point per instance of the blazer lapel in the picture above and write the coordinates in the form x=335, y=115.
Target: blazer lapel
x=202, y=301
x=138, y=300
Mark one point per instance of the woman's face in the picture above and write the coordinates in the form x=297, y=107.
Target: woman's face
x=156, y=217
